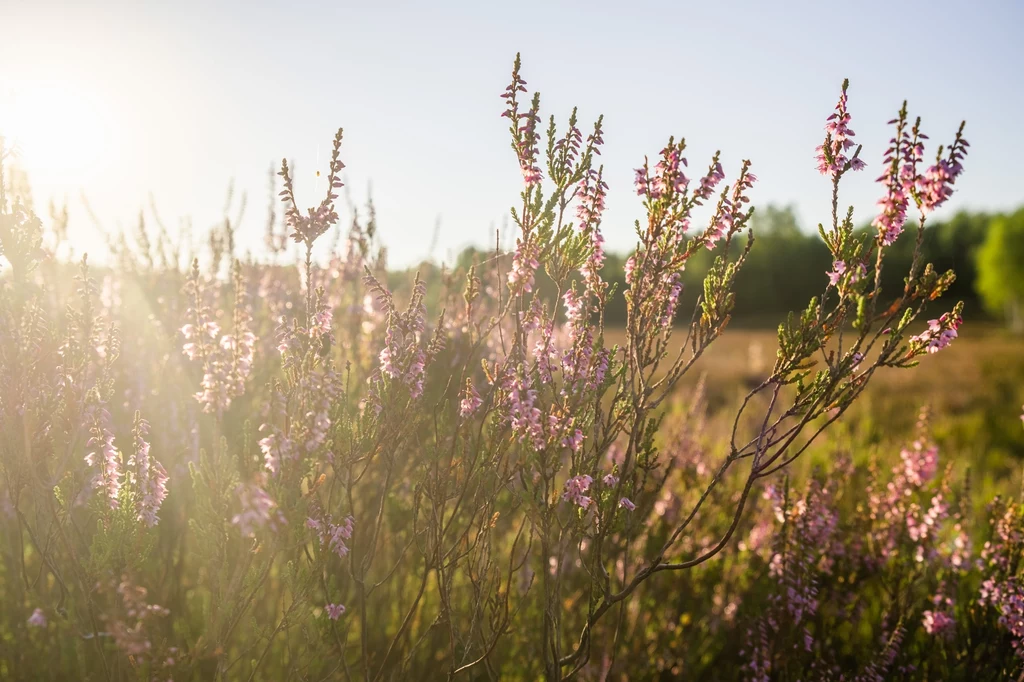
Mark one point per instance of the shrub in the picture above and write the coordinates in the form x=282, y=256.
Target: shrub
x=325, y=482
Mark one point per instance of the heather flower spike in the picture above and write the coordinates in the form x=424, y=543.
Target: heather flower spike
x=832, y=153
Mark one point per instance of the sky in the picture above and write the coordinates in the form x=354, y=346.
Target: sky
x=121, y=101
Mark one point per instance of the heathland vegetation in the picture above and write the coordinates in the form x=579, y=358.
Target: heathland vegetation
x=544, y=464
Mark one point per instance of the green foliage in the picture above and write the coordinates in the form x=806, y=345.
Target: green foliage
x=1000, y=278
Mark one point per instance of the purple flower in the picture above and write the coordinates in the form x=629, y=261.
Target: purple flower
x=334, y=611
x=524, y=264
x=938, y=623
x=147, y=475
x=831, y=154
x=104, y=456
x=258, y=509
x=627, y=504
x=574, y=489
x=940, y=333
x=470, y=402
x=37, y=619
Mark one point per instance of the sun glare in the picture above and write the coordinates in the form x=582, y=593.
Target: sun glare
x=57, y=133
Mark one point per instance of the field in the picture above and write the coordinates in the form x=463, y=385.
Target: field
x=297, y=463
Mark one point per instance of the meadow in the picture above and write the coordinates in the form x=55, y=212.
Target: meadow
x=217, y=465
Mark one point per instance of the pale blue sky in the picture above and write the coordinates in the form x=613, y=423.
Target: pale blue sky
x=177, y=98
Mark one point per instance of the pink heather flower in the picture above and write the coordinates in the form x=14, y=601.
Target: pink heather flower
x=573, y=441
x=642, y=184
x=719, y=229
x=840, y=270
x=628, y=269
x=595, y=261
x=521, y=410
x=403, y=357
x=37, y=619
x=276, y=447
x=627, y=504
x=148, y=477
x=104, y=456
x=524, y=128
x=321, y=323
x=334, y=537
x=227, y=363
x=610, y=480
x=574, y=489
x=338, y=534
x=731, y=215
x=893, y=205
x=831, y=154
x=575, y=312
x=193, y=346
x=935, y=186
x=940, y=333
x=524, y=264
x=920, y=462
x=591, y=192
x=258, y=509
x=675, y=287
x=334, y=611
x=544, y=350
x=708, y=183
x=938, y=623
x=470, y=402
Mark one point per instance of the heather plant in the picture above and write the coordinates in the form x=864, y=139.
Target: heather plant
x=220, y=468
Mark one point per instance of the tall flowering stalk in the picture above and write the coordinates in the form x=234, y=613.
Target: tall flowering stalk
x=148, y=477
x=226, y=358
x=104, y=456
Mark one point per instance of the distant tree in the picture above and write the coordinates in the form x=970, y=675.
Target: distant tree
x=1001, y=269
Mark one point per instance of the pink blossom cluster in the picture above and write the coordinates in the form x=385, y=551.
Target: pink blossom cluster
x=1003, y=589
x=148, y=477
x=939, y=621
x=841, y=271
x=471, y=400
x=403, y=357
x=318, y=219
x=521, y=409
x=802, y=553
x=940, y=333
x=37, y=619
x=731, y=212
x=584, y=367
x=831, y=154
x=903, y=181
x=258, y=511
x=524, y=265
x=668, y=178
x=906, y=507
x=591, y=193
x=334, y=537
x=935, y=186
x=575, y=488
x=524, y=128
x=129, y=627
x=334, y=611
x=103, y=455
x=319, y=391
x=227, y=362
x=710, y=181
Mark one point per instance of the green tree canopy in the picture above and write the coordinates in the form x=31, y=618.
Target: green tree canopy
x=1000, y=282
